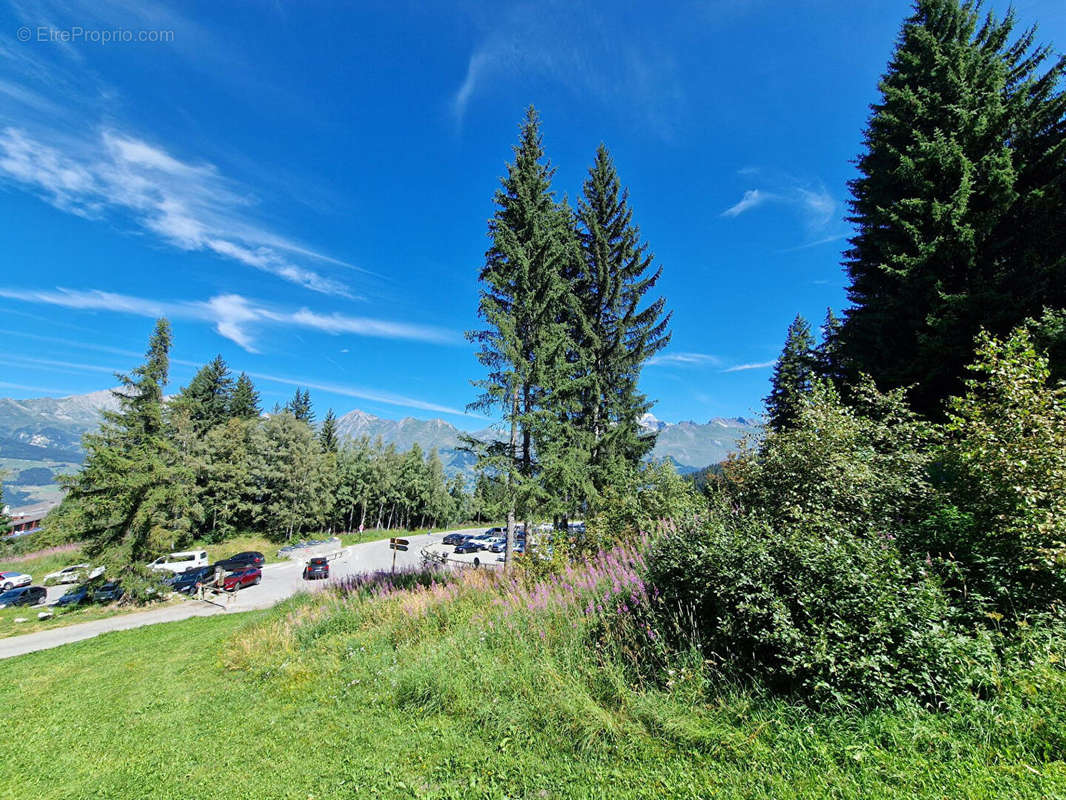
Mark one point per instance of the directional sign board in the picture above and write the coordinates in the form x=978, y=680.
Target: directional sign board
x=398, y=544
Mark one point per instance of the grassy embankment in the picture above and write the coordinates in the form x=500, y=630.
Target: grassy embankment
x=467, y=690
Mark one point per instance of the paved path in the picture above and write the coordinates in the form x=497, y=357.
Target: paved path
x=279, y=582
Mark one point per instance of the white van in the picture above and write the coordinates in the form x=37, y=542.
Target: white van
x=179, y=562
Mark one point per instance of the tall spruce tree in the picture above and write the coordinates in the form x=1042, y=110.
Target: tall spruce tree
x=327, y=434
x=244, y=404
x=827, y=360
x=131, y=498
x=525, y=304
x=793, y=373
x=208, y=397
x=958, y=206
x=300, y=406
x=616, y=335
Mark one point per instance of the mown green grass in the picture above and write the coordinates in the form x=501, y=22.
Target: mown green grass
x=430, y=697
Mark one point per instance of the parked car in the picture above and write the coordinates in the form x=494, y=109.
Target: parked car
x=75, y=596
x=179, y=562
x=471, y=545
x=250, y=558
x=498, y=545
x=454, y=538
x=185, y=582
x=75, y=573
x=13, y=580
x=246, y=576
x=23, y=596
x=316, y=568
x=110, y=592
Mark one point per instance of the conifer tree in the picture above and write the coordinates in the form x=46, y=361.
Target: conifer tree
x=300, y=406
x=208, y=397
x=244, y=403
x=959, y=201
x=792, y=377
x=827, y=361
x=524, y=304
x=327, y=434
x=131, y=497
x=618, y=333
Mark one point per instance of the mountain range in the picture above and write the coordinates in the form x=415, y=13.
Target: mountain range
x=41, y=437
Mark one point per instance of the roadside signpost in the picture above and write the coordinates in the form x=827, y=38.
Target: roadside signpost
x=397, y=544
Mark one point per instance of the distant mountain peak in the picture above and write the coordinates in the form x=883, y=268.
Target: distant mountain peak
x=49, y=430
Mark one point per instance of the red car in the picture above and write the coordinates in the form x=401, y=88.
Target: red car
x=238, y=579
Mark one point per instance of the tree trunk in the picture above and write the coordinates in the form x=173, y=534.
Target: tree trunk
x=508, y=556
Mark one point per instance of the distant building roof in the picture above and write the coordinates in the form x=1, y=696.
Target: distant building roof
x=31, y=512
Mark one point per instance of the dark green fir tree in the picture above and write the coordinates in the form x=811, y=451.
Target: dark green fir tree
x=793, y=373
x=621, y=326
x=244, y=404
x=525, y=304
x=958, y=204
x=327, y=434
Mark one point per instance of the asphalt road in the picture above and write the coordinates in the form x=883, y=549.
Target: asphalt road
x=279, y=582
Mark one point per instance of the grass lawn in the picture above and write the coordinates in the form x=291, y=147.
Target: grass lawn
x=432, y=696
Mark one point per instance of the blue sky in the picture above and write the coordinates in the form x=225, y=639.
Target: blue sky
x=304, y=189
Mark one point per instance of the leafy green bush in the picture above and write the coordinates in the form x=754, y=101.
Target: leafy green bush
x=638, y=504
x=860, y=467
x=835, y=619
x=1001, y=511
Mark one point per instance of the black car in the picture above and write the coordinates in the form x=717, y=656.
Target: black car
x=317, y=567
x=76, y=596
x=455, y=538
x=23, y=596
x=468, y=546
x=250, y=558
x=110, y=592
x=185, y=582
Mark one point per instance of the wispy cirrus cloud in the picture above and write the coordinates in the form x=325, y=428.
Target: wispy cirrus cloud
x=345, y=390
x=684, y=359
x=816, y=207
x=234, y=316
x=372, y=395
x=550, y=40
x=703, y=360
x=753, y=198
x=190, y=206
x=745, y=367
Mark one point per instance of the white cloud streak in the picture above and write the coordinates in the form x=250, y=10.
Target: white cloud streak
x=817, y=208
x=579, y=47
x=745, y=367
x=188, y=206
x=372, y=395
x=752, y=198
x=233, y=316
x=684, y=359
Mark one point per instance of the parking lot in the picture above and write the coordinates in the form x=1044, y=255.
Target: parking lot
x=279, y=581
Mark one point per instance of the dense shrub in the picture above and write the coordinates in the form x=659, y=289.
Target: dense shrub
x=841, y=619
x=639, y=503
x=858, y=466
x=1001, y=513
